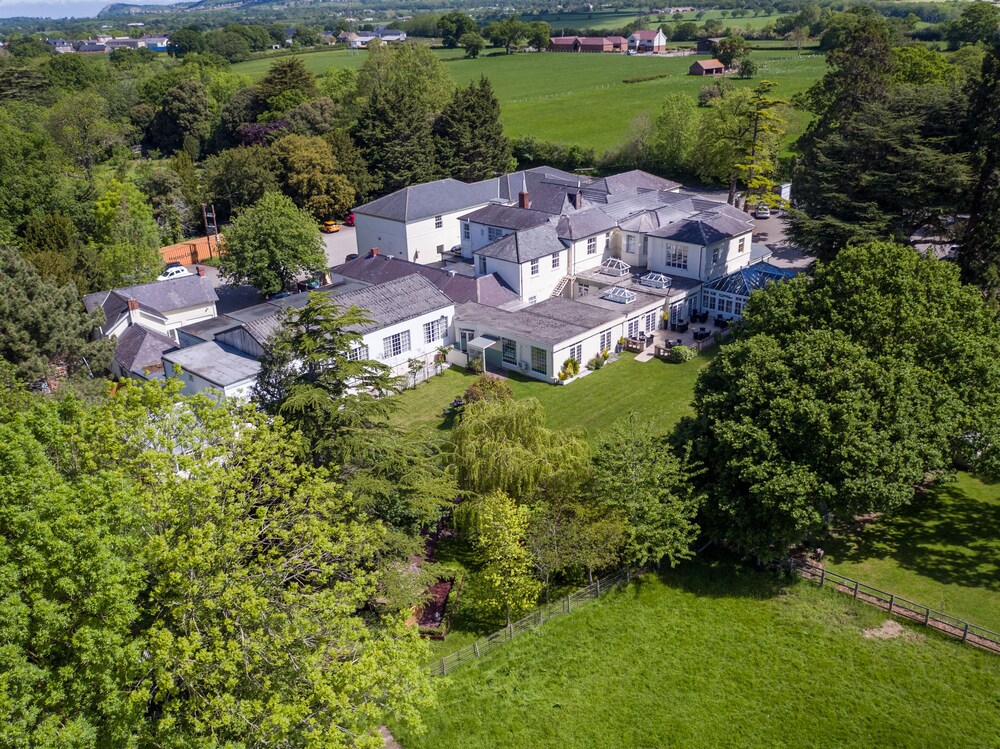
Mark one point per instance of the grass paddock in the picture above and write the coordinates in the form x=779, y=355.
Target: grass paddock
x=716, y=655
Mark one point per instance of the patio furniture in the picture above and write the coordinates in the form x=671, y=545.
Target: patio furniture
x=682, y=327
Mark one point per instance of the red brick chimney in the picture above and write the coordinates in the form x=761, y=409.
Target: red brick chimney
x=133, y=311
x=523, y=200
x=373, y=252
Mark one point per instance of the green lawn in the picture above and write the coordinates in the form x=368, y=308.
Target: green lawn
x=660, y=391
x=580, y=98
x=716, y=655
x=942, y=551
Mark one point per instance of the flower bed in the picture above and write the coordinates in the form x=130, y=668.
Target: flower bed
x=434, y=618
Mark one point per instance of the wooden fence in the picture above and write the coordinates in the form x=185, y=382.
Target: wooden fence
x=967, y=632
x=532, y=621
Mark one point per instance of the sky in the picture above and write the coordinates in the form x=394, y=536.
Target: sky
x=60, y=8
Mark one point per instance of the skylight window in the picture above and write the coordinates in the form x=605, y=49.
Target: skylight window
x=619, y=295
x=655, y=281
x=615, y=267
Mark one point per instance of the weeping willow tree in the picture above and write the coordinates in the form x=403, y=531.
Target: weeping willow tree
x=505, y=446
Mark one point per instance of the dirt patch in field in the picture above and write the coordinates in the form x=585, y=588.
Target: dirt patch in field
x=889, y=630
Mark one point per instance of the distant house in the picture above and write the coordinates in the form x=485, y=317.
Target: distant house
x=123, y=42
x=647, y=41
x=707, y=46
x=347, y=37
x=707, y=67
x=59, y=46
x=92, y=48
x=161, y=306
x=587, y=44
x=156, y=42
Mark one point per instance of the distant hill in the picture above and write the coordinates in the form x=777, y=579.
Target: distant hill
x=127, y=9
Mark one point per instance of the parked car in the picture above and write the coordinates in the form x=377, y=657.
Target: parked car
x=330, y=227
x=349, y=221
x=174, y=271
x=762, y=211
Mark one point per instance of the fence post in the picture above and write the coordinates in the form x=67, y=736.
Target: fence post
x=892, y=599
x=569, y=603
x=822, y=576
x=444, y=667
x=475, y=648
x=965, y=634
x=510, y=631
x=856, y=588
x=927, y=616
x=598, y=587
x=628, y=574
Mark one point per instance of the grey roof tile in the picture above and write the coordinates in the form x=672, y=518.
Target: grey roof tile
x=139, y=348
x=507, y=217
x=524, y=246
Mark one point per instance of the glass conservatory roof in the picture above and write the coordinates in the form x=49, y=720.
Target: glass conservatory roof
x=615, y=267
x=620, y=295
x=655, y=280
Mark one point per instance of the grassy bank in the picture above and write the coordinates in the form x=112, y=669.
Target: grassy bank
x=714, y=655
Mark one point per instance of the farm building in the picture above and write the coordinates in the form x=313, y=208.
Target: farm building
x=707, y=67
x=707, y=46
x=587, y=44
x=647, y=41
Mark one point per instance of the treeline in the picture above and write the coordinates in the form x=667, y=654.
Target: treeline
x=83, y=208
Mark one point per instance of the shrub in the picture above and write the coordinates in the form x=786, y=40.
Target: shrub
x=488, y=387
x=475, y=365
x=570, y=368
x=681, y=354
x=596, y=363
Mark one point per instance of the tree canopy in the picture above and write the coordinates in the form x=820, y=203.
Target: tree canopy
x=268, y=244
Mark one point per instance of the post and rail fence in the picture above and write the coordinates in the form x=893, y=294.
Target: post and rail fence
x=971, y=634
x=535, y=619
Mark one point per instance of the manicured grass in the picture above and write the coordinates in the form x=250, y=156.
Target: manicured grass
x=580, y=98
x=942, y=551
x=660, y=391
x=716, y=655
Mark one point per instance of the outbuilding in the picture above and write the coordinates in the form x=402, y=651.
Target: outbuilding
x=707, y=67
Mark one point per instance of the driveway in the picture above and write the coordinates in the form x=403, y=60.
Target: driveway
x=231, y=298
x=340, y=245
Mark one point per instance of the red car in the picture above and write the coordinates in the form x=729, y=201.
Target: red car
x=349, y=221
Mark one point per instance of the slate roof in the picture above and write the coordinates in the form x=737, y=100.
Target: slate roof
x=459, y=288
x=395, y=301
x=159, y=297
x=430, y=199
x=215, y=362
x=751, y=278
x=584, y=223
x=524, y=246
x=206, y=329
x=635, y=179
x=138, y=348
x=705, y=228
x=448, y=195
x=506, y=217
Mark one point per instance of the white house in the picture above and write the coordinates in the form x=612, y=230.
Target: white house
x=420, y=222
x=410, y=319
x=161, y=306
x=647, y=41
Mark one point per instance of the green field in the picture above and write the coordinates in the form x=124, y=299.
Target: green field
x=580, y=98
x=942, y=551
x=571, y=23
x=716, y=655
x=660, y=391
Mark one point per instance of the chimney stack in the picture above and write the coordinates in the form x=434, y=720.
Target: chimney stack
x=523, y=200
x=133, y=311
x=373, y=252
